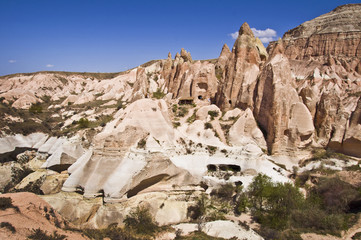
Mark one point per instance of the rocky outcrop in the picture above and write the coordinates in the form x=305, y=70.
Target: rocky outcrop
x=119, y=155
x=337, y=33
x=185, y=79
x=31, y=212
x=352, y=140
x=220, y=229
x=239, y=71
x=246, y=129
x=332, y=40
x=285, y=121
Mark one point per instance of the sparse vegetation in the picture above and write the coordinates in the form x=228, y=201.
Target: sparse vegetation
x=38, y=234
x=6, y=202
x=213, y=114
x=112, y=231
x=211, y=149
x=140, y=221
x=192, y=118
x=280, y=208
x=197, y=236
x=83, y=123
x=219, y=72
x=36, y=108
x=176, y=124
x=208, y=125
x=8, y=226
x=158, y=94
x=182, y=112
x=174, y=108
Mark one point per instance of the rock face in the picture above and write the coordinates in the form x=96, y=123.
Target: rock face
x=238, y=70
x=352, y=140
x=187, y=80
x=285, y=120
x=324, y=54
x=116, y=158
x=32, y=213
x=155, y=134
x=335, y=33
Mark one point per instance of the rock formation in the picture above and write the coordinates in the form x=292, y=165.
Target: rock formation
x=168, y=131
x=336, y=33
x=239, y=70
x=30, y=212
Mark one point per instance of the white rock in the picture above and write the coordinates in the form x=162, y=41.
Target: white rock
x=228, y=230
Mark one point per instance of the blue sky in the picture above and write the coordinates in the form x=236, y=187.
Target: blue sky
x=113, y=36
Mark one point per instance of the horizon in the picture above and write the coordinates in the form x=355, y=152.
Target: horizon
x=115, y=36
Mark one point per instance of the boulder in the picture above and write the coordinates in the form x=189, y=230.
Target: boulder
x=53, y=183
x=229, y=230
x=32, y=182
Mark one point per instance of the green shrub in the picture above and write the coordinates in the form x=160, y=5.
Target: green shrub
x=8, y=225
x=6, y=202
x=182, y=112
x=208, y=125
x=174, y=108
x=38, y=234
x=241, y=204
x=158, y=94
x=192, y=118
x=213, y=114
x=199, y=210
x=83, y=123
x=219, y=73
x=211, y=149
x=336, y=194
x=281, y=208
x=140, y=220
x=112, y=231
x=225, y=191
x=357, y=236
x=176, y=124
x=36, y=108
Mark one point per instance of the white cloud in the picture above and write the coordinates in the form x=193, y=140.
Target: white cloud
x=49, y=65
x=265, y=36
x=12, y=61
x=234, y=35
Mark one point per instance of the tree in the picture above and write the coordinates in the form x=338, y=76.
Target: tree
x=259, y=190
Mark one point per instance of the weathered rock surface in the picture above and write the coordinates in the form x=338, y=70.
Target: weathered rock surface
x=166, y=207
x=228, y=230
x=220, y=228
x=187, y=80
x=33, y=213
x=352, y=139
x=246, y=127
x=240, y=71
x=116, y=158
x=278, y=108
x=335, y=33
